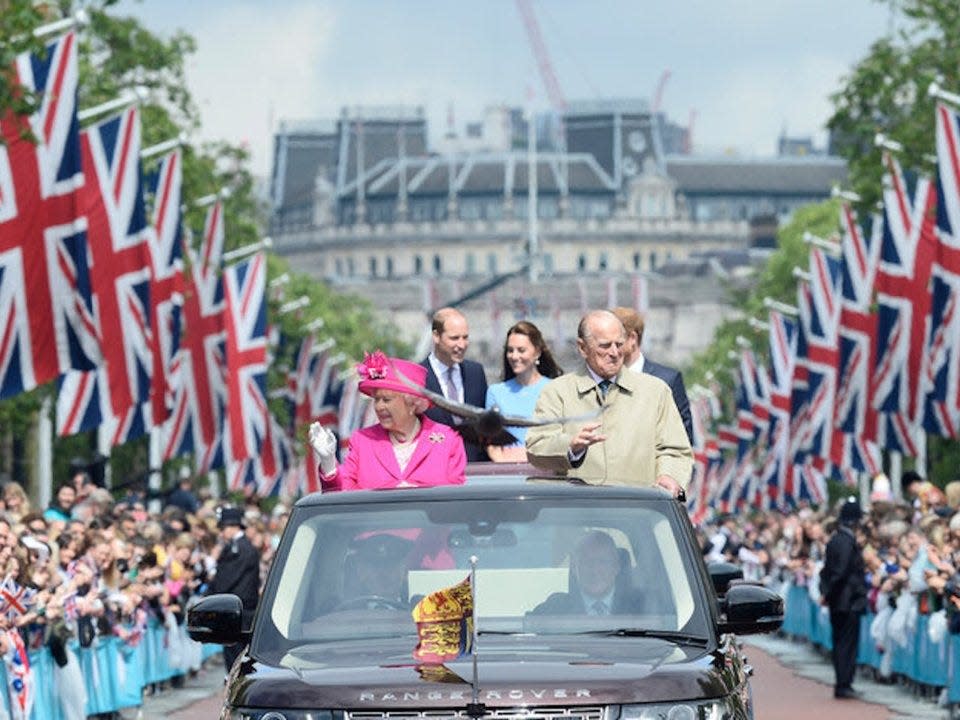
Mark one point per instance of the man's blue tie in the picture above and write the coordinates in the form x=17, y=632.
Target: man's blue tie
x=604, y=386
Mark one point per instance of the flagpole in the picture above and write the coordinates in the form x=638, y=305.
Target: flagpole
x=45, y=452
x=475, y=709
x=782, y=308
x=934, y=90
x=135, y=97
x=822, y=243
x=250, y=249
x=79, y=19
x=163, y=147
x=295, y=304
x=154, y=478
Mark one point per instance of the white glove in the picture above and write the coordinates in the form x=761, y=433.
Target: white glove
x=324, y=444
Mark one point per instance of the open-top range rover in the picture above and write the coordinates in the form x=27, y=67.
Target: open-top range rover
x=589, y=603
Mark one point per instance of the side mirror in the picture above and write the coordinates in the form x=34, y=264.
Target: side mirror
x=216, y=619
x=751, y=609
x=722, y=574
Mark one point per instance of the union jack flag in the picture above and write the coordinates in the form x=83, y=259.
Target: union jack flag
x=299, y=382
x=166, y=290
x=15, y=599
x=245, y=285
x=941, y=386
x=775, y=473
x=903, y=305
x=43, y=240
x=854, y=419
x=120, y=276
x=819, y=303
x=327, y=411
x=200, y=365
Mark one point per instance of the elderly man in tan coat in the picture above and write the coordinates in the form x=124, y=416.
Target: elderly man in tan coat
x=639, y=438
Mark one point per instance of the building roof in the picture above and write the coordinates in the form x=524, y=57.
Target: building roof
x=786, y=175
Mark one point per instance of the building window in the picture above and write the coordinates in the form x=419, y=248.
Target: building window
x=436, y=264
x=581, y=262
x=351, y=269
x=653, y=261
x=338, y=263
x=602, y=261
x=471, y=264
x=469, y=209
x=389, y=267
x=548, y=263
x=492, y=263
x=417, y=265
x=636, y=261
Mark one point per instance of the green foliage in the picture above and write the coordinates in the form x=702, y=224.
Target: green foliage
x=18, y=18
x=886, y=92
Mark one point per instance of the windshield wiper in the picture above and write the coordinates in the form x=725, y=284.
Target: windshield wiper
x=659, y=634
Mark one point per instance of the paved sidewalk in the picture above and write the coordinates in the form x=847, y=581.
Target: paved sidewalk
x=807, y=662
x=207, y=683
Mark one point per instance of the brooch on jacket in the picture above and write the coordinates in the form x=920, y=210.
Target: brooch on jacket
x=437, y=437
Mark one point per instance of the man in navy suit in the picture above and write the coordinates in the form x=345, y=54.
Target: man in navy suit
x=633, y=358
x=449, y=374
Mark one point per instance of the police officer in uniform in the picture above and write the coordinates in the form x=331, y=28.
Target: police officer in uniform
x=843, y=589
x=238, y=572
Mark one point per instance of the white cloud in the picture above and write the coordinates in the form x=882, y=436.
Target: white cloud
x=253, y=68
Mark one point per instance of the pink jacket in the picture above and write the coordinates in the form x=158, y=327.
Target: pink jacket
x=439, y=459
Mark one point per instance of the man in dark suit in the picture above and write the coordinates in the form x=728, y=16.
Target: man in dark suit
x=844, y=590
x=449, y=374
x=634, y=359
x=599, y=584
x=238, y=572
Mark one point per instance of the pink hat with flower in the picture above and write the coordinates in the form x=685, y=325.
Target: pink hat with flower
x=377, y=371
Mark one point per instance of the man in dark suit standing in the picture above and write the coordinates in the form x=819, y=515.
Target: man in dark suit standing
x=238, y=572
x=634, y=359
x=599, y=585
x=843, y=589
x=449, y=374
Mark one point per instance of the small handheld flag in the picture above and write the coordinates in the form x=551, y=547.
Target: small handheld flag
x=445, y=624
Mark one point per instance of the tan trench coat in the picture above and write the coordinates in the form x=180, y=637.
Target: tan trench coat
x=645, y=435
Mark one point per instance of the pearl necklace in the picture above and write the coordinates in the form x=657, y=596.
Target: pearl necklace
x=395, y=439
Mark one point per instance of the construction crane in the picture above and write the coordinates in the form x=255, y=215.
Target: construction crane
x=542, y=56
x=658, y=93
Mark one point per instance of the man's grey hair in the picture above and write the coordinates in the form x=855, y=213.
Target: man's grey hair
x=583, y=329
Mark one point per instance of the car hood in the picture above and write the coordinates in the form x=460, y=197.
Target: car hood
x=512, y=671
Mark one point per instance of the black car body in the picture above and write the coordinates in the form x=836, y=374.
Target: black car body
x=333, y=635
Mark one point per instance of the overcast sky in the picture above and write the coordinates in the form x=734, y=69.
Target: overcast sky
x=747, y=68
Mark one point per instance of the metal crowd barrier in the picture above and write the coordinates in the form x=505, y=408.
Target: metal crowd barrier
x=114, y=673
x=921, y=660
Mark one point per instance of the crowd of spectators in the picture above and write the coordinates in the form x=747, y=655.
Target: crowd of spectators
x=911, y=552
x=92, y=564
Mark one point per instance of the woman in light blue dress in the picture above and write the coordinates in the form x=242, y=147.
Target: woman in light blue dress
x=528, y=365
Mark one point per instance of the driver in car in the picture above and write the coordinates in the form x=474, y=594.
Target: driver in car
x=599, y=582
x=375, y=574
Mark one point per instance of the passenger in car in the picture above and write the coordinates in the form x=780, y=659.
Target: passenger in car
x=528, y=365
x=639, y=438
x=376, y=571
x=405, y=448
x=600, y=582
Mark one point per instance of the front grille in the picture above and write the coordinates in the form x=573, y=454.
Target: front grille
x=586, y=712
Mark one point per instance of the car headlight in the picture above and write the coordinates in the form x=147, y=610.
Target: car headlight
x=251, y=714
x=718, y=709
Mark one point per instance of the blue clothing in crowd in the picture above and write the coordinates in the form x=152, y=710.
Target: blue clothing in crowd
x=512, y=398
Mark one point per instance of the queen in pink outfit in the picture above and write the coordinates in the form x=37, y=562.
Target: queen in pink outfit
x=404, y=449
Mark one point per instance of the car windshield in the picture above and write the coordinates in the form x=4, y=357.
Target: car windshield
x=355, y=572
